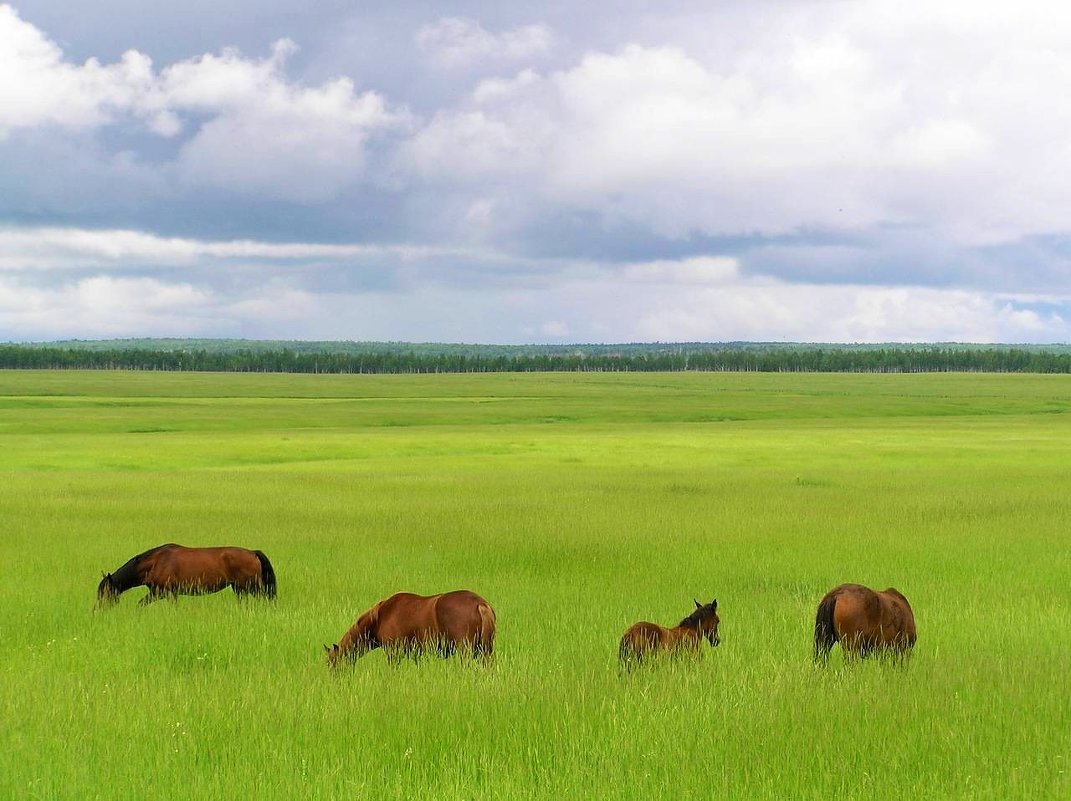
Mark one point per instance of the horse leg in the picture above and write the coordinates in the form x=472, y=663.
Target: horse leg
x=853, y=648
x=867, y=646
x=152, y=595
x=900, y=654
x=484, y=652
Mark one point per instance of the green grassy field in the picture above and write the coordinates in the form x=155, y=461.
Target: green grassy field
x=577, y=504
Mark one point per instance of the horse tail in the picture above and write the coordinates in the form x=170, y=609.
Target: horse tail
x=267, y=574
x=485, y=637
x=825, y=633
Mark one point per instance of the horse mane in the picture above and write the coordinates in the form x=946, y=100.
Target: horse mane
x=128, y=576
x=370, y=619
x=361, y=634
x=698, y=616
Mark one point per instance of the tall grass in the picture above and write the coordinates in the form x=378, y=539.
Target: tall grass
x=577, y=504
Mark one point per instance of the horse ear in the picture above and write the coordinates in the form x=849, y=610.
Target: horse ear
x=714, y=604
x=697, y=604
x=327, y=648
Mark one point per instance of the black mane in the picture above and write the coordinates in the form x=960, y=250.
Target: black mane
x=128, y=575
x=698, y=616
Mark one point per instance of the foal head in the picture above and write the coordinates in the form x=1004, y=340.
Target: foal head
x=705, y=620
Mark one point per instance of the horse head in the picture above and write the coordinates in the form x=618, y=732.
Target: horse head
x=333, y=654
x=107, y=591
x=706, y=615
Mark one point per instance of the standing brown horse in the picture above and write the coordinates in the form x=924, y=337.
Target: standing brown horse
x=407, y=625
x=170, y=570
x=643, y=639
x=863, y=621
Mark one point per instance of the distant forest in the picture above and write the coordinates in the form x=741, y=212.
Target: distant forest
x=281, y=356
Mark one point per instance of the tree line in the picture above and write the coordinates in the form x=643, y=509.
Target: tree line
x=637, y=358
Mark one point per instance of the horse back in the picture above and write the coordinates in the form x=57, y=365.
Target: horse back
x=856, y=610
x=178, y=565
x=875, y=619
x=453, y=616
x=642, y=637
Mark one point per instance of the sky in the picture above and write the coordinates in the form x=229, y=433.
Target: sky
x=545, y=172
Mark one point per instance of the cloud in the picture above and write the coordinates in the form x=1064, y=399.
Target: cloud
x=39, y=88
x=253, y=130
x=811, y=170
x=693, y=271
x=830, y=117
x=737, y=307
x=270, y=136
x=703, y=298
x=104, y=306
x=457, y=42
x=57, y=248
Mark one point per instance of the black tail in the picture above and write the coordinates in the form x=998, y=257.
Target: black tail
x=825, y=635
x=267, y=575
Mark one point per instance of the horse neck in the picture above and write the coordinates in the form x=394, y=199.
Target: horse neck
x=686, y=631
x=129, y=575
x=360, y=637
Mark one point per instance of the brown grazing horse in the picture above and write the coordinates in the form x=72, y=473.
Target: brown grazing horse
x=643, y=639
x=863, y=621
x=407, y=625
x=170, y=570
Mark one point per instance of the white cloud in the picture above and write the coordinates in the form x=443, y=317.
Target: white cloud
x=104, y=306
x=271, y=136
x=693, y=271
x=472, y=147
x=59, y=248
x=741, y=308
x=255, y=130
x=692, y=299
x=830, y=116
x=457, y=42
x=37, y=87
x=278, y=304
x=909, y=132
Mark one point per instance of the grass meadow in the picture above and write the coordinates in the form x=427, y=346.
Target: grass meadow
x=577, y=504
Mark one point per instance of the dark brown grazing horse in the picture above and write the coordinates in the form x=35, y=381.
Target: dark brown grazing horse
x=171, y=570
x=643, y=639
x=407, y=625
x=863, y=621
